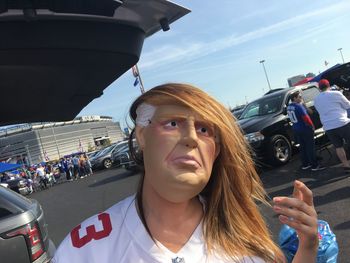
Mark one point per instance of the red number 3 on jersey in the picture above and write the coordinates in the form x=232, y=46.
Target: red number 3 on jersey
x=91, y=232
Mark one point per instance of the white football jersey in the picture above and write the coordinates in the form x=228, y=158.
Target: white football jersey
x=118, y=235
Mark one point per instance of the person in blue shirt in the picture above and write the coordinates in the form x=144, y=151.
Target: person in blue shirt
x=303, y=129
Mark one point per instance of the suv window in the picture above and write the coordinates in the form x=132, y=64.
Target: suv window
x=263, y=106
x=6, y=208
x=105, y=150
x=309, y=94
x=120, y=146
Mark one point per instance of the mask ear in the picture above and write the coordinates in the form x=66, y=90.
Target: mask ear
x=139, y=133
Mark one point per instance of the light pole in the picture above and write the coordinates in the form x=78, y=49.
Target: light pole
x=54, y=136
x=341, y=53
x=136, y=73
x=268, y=82
x=28, y=155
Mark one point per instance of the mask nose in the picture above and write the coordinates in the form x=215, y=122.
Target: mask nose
x=190, y=138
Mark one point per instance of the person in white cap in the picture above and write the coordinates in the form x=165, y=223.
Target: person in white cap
x=332, y=107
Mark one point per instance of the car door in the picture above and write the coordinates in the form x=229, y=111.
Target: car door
x=309, y=95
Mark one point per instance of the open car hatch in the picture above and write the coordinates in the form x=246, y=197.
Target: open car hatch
x=56, y=56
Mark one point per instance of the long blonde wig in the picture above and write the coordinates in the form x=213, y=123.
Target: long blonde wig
x=232, y=222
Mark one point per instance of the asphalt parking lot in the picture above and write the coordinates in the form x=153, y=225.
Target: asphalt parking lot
x=67, y=204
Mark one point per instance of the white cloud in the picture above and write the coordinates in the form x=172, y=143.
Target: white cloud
x=174, y=53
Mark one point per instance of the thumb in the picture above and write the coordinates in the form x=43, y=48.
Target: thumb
x=296, y=191
x=302, y=192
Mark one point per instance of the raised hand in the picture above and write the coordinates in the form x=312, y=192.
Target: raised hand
x=299, y=213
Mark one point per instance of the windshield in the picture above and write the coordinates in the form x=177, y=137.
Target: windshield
x=124, y=148
x=102, y=152
x=119, y=146
x=90, y=155
x=263, y=106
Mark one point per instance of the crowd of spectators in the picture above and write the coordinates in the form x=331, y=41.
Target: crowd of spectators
x=47, y=174
x=74, y=167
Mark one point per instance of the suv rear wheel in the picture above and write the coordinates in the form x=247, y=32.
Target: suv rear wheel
x=107, y=163
x=280, y=150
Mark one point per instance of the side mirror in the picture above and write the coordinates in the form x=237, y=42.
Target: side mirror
x=284, y=111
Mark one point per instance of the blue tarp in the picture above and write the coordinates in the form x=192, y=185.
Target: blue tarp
x=4, y=167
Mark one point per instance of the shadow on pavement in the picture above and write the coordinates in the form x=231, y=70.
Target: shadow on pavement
x=333, y=196
x=277, y=176
x=324, y=180
x=114, y=178
x=342, y=226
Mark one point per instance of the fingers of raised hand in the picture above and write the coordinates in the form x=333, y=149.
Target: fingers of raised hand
x=293, y=205
x=303, y=221
x=295, y=216
x=299, y=213
x=302, y=192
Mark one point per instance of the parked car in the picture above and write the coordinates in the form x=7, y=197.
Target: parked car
x=104, y=158
x=237, y=111
x=92, y=154
x=17, y=184
x=4, y=185
x=123, y=158
x=119, y=156
x=268, y=128
x=23, y=230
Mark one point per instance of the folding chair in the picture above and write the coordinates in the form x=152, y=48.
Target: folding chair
x=322, y=142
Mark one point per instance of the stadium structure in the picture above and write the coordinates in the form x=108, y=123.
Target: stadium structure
x=37, y=142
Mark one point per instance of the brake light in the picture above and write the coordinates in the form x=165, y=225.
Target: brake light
x=33, y=238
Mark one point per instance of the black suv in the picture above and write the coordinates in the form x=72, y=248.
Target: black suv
x=267, y=127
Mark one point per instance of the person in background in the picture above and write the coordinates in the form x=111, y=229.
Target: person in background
x=332, y=107
x=82, y=166
x=40, y=171
x=70, y=167
x=66, y=166
x=64, y=170
x=88, y=164
x=197, y=197
x=303, y=129
x=49, y=173
x=76, y=167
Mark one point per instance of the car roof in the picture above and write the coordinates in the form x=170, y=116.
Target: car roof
x=59, y=55
x=285, y=91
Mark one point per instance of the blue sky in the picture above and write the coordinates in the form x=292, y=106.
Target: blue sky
x=218, y=46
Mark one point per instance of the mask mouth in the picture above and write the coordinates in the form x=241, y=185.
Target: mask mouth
x=186, y=160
